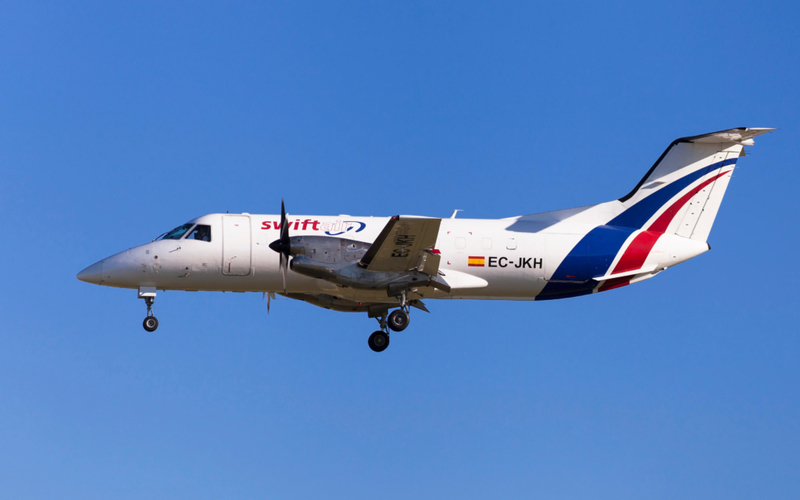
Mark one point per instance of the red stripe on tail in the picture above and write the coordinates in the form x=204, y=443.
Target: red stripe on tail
x=662, y=223
x=636, y=253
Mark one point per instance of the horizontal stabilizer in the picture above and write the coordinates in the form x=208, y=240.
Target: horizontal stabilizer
x=743, y=136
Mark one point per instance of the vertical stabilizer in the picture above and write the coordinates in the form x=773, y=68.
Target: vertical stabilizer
x=682, y=192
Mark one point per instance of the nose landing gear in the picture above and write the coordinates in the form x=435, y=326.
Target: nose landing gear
x=150, y=322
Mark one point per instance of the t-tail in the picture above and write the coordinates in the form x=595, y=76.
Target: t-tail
x=664, y=221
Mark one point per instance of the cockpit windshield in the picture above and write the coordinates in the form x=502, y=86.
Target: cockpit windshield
x=176, y=233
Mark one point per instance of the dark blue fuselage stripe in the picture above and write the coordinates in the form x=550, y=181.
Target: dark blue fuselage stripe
x=592, y=256
x=595, y=252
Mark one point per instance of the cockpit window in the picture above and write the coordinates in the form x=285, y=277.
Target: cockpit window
x=200, y=232
x=176, y=233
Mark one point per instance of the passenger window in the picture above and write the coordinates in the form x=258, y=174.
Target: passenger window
x=511, y=244
x=201, y=232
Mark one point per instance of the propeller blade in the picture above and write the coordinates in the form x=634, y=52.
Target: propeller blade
x=284, y=265
x=284, y=226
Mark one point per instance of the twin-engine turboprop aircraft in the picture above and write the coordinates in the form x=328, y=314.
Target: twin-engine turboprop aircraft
x=378, y=264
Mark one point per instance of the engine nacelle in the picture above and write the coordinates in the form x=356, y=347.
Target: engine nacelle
x=328, y=251
x=336, y=260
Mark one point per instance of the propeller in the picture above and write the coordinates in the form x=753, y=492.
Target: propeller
x=283, y=245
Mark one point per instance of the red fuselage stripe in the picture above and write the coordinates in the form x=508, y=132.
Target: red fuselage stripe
x=637, y=252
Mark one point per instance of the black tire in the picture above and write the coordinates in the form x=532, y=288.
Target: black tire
x=398, y=320
x=150, y=323
x=378, y=341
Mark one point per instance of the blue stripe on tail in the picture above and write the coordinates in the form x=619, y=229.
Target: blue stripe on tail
x=641, y=212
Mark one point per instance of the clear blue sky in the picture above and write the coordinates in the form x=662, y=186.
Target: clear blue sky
x=118, y=122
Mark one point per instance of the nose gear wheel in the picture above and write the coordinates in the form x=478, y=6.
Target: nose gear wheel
x=150, y=322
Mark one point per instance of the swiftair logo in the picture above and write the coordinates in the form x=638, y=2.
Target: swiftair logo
x=334, y=228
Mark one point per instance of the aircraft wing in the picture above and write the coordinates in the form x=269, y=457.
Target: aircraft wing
x=405, y=244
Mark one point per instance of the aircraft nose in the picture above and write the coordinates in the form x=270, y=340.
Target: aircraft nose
x=92, y=274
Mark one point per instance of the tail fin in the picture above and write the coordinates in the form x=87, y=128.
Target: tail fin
x=682, y=192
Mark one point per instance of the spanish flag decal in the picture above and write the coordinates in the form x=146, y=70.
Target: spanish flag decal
x=477, y=261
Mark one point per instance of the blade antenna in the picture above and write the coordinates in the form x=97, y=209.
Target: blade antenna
x=268, y=296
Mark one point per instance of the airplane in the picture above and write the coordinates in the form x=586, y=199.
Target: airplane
x=375, y=265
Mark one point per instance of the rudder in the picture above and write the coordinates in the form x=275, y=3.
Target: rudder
x=698, y=214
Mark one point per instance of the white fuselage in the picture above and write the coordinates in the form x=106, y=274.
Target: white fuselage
x=507, y=259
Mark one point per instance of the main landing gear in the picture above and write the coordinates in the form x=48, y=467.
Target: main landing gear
x=397, y=321
x=150, y=322
x=379, y=340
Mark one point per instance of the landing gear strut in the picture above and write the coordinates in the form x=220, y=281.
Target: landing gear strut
x=150, y=322
x=399, y=319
